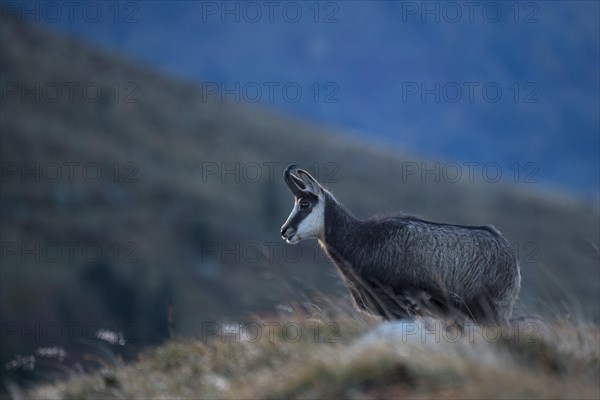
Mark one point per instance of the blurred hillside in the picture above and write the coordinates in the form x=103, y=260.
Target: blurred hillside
x=158, y=215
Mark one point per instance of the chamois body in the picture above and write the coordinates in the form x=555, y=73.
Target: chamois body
x=404, y=267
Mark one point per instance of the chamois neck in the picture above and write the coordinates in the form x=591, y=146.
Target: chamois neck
x=340, y=224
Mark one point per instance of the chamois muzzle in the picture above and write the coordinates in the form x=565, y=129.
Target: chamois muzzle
x=287, y=232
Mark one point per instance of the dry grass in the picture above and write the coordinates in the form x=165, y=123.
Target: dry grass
x=364, y=360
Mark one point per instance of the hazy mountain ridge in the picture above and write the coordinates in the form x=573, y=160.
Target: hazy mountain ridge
x=374, y=49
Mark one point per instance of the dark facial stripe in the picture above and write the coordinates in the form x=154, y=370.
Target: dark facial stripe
x=300, y=215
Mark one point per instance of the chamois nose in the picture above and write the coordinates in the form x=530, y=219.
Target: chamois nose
x=287, y=232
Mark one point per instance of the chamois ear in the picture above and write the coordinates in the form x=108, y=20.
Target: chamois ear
x=310, y=183
x=294, y=183
x=298, y=181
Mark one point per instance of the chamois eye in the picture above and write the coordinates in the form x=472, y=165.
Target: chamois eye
x=304, y=204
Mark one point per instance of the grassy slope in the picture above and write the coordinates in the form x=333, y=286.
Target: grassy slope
x=560, y=364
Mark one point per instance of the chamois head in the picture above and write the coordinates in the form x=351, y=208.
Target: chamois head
x=306, y=221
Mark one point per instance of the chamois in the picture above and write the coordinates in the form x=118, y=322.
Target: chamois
x=404, y=267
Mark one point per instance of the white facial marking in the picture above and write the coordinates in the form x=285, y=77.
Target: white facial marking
x=313, y=225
